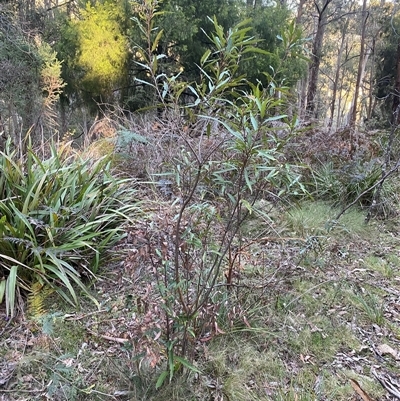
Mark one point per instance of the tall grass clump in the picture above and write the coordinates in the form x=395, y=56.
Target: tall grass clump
x=57, y=217
x=357, y=183
x=346, y=184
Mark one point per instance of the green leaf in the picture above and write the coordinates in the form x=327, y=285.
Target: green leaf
x=11, y=288
x=254, y=122
x=2, y=289
x=247, y=205
x=145, y=82
x=161, y=379
x=205, y=57
x=31, y=204
x=274, y=118
x=234, y=132
x=59, y=273
x=248, y=181
x=156, y=40
x=187, y=364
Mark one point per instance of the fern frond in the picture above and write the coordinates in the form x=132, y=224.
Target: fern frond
x=36, y=298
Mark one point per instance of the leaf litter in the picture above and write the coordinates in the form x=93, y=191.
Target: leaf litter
x=112, y=353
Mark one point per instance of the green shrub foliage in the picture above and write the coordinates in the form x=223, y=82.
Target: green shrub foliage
x=57, y=217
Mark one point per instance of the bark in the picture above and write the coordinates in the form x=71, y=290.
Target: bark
x=303, y=83
x=371, y=97
x=316, y=58
x=335, y=84
x=343, y=95
x=361, y=65
x=300, y=10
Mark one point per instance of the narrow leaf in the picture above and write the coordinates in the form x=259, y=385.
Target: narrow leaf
x=2, y=290
x=161, y=379
x=156, y=40
x=11, y=288
x=187, y=364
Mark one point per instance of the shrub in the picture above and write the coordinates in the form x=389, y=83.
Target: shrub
x=219, y=172
x=342, y=186
x=57, y=217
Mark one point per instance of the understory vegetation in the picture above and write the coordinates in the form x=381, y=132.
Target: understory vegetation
x=204, y=249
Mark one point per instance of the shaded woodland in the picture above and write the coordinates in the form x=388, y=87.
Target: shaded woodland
x=199, y=200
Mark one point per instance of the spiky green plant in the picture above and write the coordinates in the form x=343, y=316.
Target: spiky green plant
x=341, y=186
x=57, y=217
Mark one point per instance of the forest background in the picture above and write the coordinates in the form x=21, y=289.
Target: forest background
x=85, y=52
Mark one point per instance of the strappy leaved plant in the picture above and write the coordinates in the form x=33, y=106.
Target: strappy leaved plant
x=57, y=218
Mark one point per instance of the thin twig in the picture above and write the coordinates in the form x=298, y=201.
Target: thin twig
x=109, y=338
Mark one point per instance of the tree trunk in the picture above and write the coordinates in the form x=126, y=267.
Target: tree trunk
x=303, y=83
x=371, y=97
x=300, y=10
x=361, y=66
x=316, y=58
x=335, y=84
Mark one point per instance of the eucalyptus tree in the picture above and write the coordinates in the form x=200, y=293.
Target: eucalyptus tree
x=321, y=20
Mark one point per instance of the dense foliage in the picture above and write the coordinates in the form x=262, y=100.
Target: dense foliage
x=95, y=52
x=58, y=216
x=19, y=78
x=386, y=73
x=96, y=43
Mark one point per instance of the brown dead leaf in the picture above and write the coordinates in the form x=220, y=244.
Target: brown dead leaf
x=385, y=349
x=360, y=391
x=306, y=359
x=217, y=329
x=246, y=322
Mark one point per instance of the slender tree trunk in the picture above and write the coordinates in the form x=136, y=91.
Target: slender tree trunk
x=300, y=10
x=316, y=58
x=343, y=97
x=302, y=97
x=337, y=74
x=303, y=83
x=361, y=66
x=371, y=96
